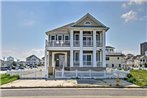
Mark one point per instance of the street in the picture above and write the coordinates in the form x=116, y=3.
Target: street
x=74, y=93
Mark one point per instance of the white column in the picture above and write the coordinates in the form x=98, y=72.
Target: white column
x=104, y=54
x=46, y=65
x=101, y=57
x=94, y=49
x=81, y=48
x=71, y=48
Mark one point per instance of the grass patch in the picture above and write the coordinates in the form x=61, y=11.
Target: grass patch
x=138, y=77
x=6, y=78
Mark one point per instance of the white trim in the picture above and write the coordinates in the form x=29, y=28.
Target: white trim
x=94, y=49
x=71, y=48
x=104, y=49
x=81, y=48
x=53, y=56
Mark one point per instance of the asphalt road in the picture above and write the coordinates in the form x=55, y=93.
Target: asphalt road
x=74, y=92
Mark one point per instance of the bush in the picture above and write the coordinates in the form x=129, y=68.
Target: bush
x=130, y=78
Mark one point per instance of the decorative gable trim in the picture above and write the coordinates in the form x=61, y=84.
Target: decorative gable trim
x=98, y=23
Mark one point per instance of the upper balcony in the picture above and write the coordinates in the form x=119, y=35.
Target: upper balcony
x=76, y=43
x=61, y=43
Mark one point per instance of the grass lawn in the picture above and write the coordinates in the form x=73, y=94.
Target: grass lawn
x=6, y=78
x=138, y=77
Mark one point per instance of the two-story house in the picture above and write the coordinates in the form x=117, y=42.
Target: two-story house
x=33, y=61
x=76, y=46
x=114, y=59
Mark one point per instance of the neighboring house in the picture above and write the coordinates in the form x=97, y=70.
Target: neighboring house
x=22, y=63
x=77, y=46
x=137, y=61
x=143, y=60
x=3, y=65
x=42, y=60
x=114, y=59
x=33, y=61
x=10, y=61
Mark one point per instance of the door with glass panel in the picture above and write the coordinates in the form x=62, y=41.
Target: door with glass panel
x=87, y=41
x=87, y=59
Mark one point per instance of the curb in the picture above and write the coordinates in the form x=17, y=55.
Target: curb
x=70, y=87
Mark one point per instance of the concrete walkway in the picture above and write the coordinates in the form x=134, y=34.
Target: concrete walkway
x=67, y=83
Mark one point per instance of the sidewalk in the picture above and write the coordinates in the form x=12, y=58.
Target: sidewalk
x=66, y=83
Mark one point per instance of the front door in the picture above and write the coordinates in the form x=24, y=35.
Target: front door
x=59, y=59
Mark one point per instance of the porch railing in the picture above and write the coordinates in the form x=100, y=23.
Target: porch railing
x=87, y=43
x=99, y=43
x=87, y=63
x=76, y=63
x=99, y=63
x=76, y=43
x=61, y=43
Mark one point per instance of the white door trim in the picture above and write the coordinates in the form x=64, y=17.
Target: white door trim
x=53, y=56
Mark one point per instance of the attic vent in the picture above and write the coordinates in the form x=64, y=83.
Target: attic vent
x=87, y=23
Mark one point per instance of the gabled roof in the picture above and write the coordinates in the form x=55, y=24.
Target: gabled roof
x=65, y=28
x=91, y=18
x=77, y=24
x=32, y=56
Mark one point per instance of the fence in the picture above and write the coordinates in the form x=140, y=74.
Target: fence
x=90, y=74
x=28, y=73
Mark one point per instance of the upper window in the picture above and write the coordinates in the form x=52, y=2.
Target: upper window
x=107, y=58
x=87, y=23
x=118, y=58
x=66, y=37
x=52, y=37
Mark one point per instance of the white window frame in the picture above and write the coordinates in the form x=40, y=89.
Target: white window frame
x=85, y=23
x=86, y=59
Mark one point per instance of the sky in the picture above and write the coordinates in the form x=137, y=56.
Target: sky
x=23, y=24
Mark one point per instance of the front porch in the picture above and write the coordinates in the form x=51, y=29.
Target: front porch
x=60, y=60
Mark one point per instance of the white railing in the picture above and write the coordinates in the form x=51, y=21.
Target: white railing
x=76, y=63
x=61, y=43
x=99, y=43
x=99, y=63
x=87, y=43
x=90, y=74
x=76, y=43
x=87, y=63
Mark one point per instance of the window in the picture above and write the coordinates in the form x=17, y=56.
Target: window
x=119, y=65
x=52, y=37
x=118, y=58
x=59, y=37
x=87, y=23
x=77, y=37
x=107, y=58
x=112, y=65
x=66, y=37
x=76, y=56
x=106, y=65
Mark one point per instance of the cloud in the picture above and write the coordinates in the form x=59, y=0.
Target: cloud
x=22, y=54
x=133, y=2
x=129, y=16
x=138, y=2
x=124, y=5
